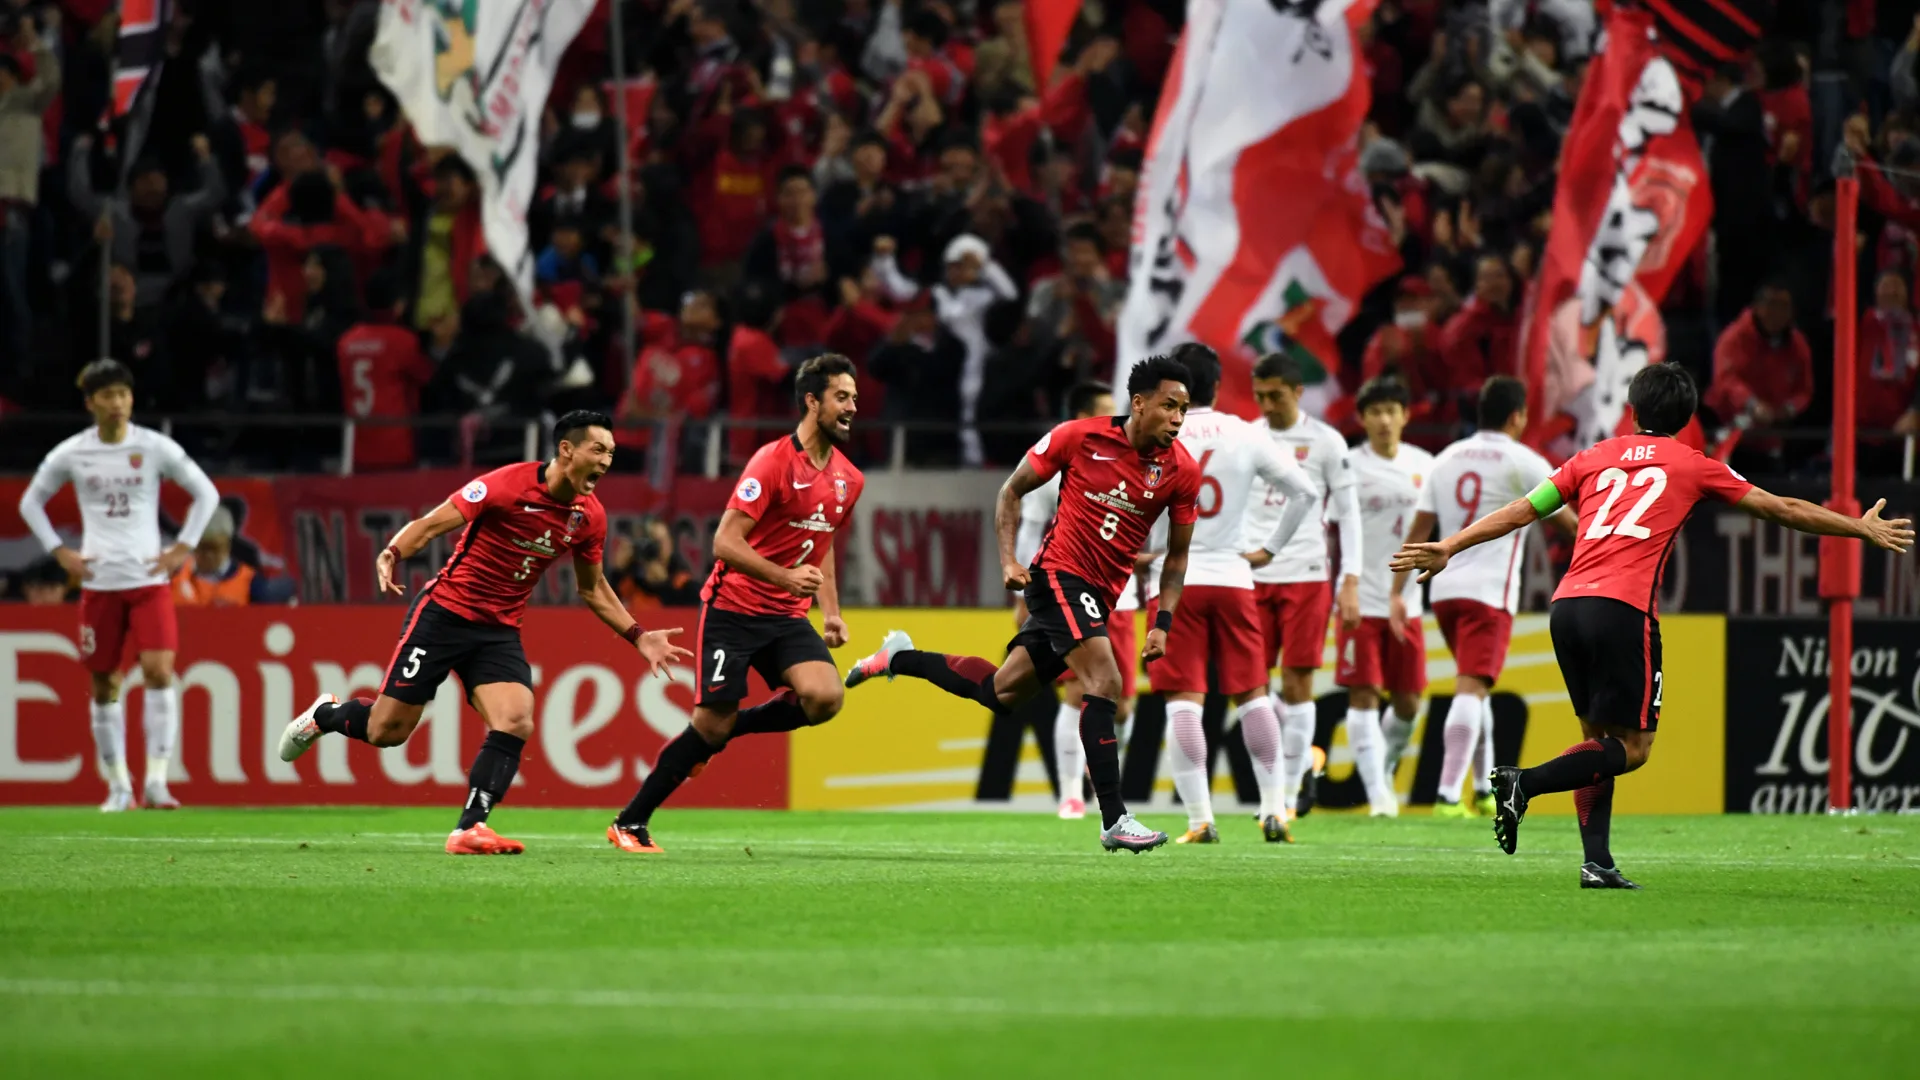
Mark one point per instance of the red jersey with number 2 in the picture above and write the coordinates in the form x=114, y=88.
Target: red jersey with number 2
x=795, y=509
x=1110, y=496
x=515, y=530
x=1632, y=494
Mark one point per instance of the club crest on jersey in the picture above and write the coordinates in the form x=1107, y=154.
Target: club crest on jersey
x=1153, y=475
x=575, y=520
x=134, y=459
x=1300, y=453
x=840, y=488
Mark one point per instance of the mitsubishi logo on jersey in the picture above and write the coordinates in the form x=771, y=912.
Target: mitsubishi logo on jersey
x=1117, y=499
x=542, y=546
x=816, y=521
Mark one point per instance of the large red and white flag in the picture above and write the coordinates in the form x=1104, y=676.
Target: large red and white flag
x=1254, y=230
x=1631, y=206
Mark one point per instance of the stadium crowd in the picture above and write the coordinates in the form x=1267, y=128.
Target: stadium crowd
x=886, y=179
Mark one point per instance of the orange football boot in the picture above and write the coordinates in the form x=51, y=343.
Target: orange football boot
x=480, y=840
x=633, y=841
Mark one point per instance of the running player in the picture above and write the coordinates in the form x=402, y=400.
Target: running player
x=518, y=521
x=116, y=468
x=1217, y=621
x=1385, y=657
x=1293, y=589
x=1036, y=517
x=771, y=561
x=1475, y=604
x=1633, y=493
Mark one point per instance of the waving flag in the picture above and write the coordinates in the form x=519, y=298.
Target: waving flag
x=1254, y=230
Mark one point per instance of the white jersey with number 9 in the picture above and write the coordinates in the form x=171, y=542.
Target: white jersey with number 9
x=1471, y=479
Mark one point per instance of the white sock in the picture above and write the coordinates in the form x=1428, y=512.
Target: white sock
x=1483, y=750
x=1369, y=757
x=161, y=725
x=1069, y=757
x=1260, y=729
x=1396, y=732
x=1296, y=750
x=1190, y=761
x=1463, y=727
x=110, y=745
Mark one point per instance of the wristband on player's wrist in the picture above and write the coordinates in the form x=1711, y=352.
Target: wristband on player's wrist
x=632, y=634
x=1163, y=621
x=394, y=550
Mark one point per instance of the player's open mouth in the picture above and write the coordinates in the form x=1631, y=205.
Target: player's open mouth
x=844, y=423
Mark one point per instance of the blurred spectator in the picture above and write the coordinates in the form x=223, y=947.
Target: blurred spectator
x=677, y=373
x=1002, y=64
x=862, y=204
x=136, y=338
x=1762, y=368
x=449, y=244
x=152, y=232
x=209, y=346
x=920, y=364
x=651, y=573
x=240, y=138
x=300, y=366
x=732, y=196
x=1480, y=341
x=1889, y=360
x=1409, y=347
x=1074, y=311
x=23, y=98
x=215, y=578
x=795, y=260
x=1732, y=131
x=493, y=372
x=972, y=283
x=756, y=375
x=382, y=371
x=309, y=211
x=44, y=583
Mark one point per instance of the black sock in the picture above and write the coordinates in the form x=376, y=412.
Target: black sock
x=781, y=713
x=348, y=718
x=492, y=773
x=962, y=676
x=1595, y=805
x=687, y=752
x=1103, y=755
x=1577, y=766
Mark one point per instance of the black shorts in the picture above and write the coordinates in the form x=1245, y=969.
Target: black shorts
x=1609, y=655
x=1062, y=611
x=730, y=642
x=436, y=641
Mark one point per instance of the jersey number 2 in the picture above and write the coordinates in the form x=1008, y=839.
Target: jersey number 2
x=806, y=549
x=1653, y=478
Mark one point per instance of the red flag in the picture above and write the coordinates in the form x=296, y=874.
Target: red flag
x=1047, y=24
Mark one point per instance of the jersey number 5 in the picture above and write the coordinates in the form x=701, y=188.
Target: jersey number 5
x=1653, y=478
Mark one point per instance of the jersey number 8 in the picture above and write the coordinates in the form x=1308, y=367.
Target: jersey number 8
x=1110, y=526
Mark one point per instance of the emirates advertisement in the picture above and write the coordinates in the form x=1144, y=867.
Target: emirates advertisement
x=243, y=673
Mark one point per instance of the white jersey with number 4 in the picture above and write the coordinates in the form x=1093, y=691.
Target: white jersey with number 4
x=1037, y=509
x=1389, y=492
x=1471, y=479
x=1318, y=448
x=1238, y=465
x=118, y=488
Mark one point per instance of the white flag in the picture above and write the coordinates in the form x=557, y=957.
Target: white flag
x=474, y=76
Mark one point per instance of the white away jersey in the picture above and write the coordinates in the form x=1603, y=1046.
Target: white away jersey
x=1471, y=479
x=1238, y=466
x=1389, y=495
x=1318, y=448
x=118, y=489
x=1037, y=508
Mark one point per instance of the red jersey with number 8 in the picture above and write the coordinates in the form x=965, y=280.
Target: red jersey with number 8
x=1632, y=494
x=1110, y=496
x=795, y=509
x=515, y=530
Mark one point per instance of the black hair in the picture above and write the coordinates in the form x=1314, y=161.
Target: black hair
x=816, y=373
x=1203, y=370
x=44, y=571
x=928, y=24
x=960, y=140
x=1085, y=230
x=755, y=305
x=1381, y=390
x=103, y=373
x=383, y=290
x=1148, y=374
x=1125, y=159
x=1663, y=398
x=452, y=165
x=793, y=172
x=1279, y=365
x=1772, y=284
x=11, y=65
x=573, y=426
x=867, y=137
x=252, y=78
x=310, y=198
x=1082, y=396
x=206, y=272
x=145, y=164
x=1003, y=321
x=1500, y=397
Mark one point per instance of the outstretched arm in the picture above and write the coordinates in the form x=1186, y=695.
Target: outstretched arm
x=1432, y=558
x=656, y=646
x=414, y=536
x=1806, y=517
x=1006, y=521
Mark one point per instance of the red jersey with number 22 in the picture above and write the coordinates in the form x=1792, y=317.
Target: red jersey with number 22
x=515, y=530
x=1110, y=496
x=795, y=509
x=1632, y=494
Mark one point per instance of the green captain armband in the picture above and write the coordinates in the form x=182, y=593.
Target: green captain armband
x=1545, y=498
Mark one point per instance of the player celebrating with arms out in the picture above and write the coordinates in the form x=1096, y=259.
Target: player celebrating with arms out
x=518, y=521
x=1632, y=493
x=772, y=558
x=115, y=468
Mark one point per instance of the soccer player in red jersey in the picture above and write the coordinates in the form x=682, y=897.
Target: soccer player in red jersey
x=1632, y=494
x=519, y=520
x=1119, y=474
x=770, y=563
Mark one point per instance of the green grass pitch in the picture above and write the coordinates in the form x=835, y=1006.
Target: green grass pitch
x=344, y=944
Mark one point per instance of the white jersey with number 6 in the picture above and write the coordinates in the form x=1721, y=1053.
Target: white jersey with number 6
x=118, y=488
x=1471, y=479
x=1389, y=494
x=1317, y=447
x=1238, y=466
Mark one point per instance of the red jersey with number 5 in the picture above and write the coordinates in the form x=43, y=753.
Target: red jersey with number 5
x=1632, y=494
x=1110, y=496
x=515, y=530
x=795, y=509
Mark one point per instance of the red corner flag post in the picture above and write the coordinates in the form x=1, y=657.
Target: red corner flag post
x=1840, y=557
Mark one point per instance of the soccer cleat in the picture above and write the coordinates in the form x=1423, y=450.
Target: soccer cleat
x=1609, y=877
x=1450, y=810
x=157, y=797
x=1129, y=835
x=1385, y=810
x=303, y=730
x=1310, y=783
x=1274, y=829
x=880, y=663
x=118, y=799
x=480, y=840
x=1509, y=807
x=1199, y=834
x=1072, y=809
x=633, y=840
x=1483, y=804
